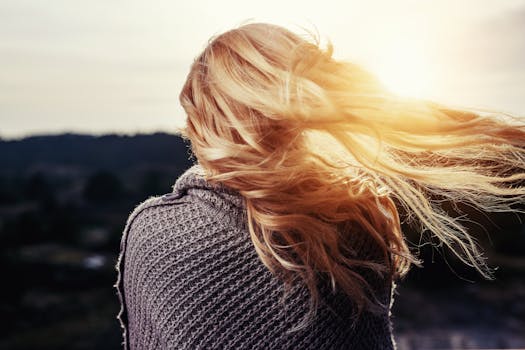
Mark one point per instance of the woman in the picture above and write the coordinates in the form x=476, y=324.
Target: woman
x=286, y=234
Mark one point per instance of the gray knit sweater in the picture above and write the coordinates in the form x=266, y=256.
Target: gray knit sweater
x=189, y=278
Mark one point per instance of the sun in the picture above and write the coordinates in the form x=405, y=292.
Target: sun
x=405, y=69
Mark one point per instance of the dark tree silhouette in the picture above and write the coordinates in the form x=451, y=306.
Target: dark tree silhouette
x=7, y=192
x=37, y=187
x=152, y=183
x=103, y=187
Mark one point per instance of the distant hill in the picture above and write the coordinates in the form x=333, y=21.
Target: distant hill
x=109, y=152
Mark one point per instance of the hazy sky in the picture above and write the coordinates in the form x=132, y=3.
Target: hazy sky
x=104, y=66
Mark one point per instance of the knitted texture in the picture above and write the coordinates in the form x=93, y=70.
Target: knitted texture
x=189, y=278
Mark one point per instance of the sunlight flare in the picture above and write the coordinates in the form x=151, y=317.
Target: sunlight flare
x=405, y=69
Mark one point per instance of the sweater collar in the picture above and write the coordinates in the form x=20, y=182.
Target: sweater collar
x=193, y=181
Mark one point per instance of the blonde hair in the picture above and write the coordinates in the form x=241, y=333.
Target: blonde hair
x=323, y=153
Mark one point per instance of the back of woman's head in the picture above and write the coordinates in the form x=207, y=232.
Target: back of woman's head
x=325, y=156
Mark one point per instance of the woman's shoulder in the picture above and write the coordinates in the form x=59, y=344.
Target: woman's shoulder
x=160, y=216
x=180, y=262
x=151, y=207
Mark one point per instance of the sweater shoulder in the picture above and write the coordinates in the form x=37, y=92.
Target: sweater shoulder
x=156, y=227
x=152, y=203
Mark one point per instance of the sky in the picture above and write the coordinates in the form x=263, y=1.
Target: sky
x=117, y=66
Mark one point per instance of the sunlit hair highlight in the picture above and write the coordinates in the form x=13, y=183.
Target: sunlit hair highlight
x=326, y=158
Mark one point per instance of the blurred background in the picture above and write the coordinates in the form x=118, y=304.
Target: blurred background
x=88, y=110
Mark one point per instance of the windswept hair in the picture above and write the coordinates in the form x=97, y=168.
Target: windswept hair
x=323, y=153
